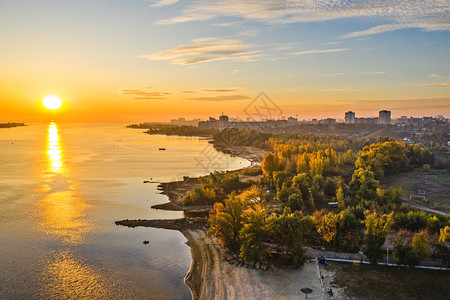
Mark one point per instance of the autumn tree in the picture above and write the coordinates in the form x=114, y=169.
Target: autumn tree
x=444, y=234
x=325, y=224
x=378, y=226
x=421, y=245
x=253, y=233
x=226, y=222
x=269, y=164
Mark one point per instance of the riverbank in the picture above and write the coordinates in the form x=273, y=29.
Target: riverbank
x=177, y=190
x=211, y=277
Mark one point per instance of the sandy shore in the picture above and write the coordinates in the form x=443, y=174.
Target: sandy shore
x=210, y=277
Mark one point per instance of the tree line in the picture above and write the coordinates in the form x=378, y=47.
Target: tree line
x=285, y=210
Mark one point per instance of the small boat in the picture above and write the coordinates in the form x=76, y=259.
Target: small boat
x=162, y=148
x=146, y=242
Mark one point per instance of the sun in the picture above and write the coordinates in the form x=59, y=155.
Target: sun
x=52, y=102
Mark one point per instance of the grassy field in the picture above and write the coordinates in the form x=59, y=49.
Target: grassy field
x=380, y=282
x=435, y=183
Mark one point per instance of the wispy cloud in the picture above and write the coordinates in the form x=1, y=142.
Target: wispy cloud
x=317, y=51
x=428, y=15
x=434, y=76
x=222, y=90
x=235, y=72
x=222, y=98
x=336, y=74
x=344, y=90
x=207, y=50
x=161, y=3
x=374, y=73
x=432, y=85
x=144, y=94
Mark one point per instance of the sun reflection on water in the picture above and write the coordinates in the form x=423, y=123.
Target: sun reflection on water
x=62, y=209
x=67, y=277
x=54, y=150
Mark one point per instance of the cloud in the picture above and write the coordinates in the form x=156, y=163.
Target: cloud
x=317, y=51
x=432, y=85
x=222, y=98
x=235, y=72
x=336, y=74
x=161, y=3
x=434, y=76
x=344, y=90
x=144, y=94
x=428, y=15
x=206, y=50
x=222, y=90
x=373, y=73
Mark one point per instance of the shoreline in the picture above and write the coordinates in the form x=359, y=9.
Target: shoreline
x=177, y=190
x=211, y=277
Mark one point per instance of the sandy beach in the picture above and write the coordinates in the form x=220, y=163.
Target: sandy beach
x=211, y=277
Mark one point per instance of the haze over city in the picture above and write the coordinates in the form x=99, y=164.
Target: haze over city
x=136, y=61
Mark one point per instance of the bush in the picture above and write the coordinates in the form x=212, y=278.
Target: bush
x=252, y=172
x=406, y=255
x=199, y=196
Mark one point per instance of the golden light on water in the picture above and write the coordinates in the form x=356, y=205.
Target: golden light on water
x=63, y=211
x=54, y=151
x=67, y=277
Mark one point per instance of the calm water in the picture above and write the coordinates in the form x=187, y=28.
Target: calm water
x=61, y=189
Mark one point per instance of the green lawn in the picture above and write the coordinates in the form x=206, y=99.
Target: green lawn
x=380, y=282
x=436, y=186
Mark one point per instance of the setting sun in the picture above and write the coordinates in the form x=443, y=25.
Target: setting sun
x=52, y=102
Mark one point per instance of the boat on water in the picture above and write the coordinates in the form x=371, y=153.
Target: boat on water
x=162, y=148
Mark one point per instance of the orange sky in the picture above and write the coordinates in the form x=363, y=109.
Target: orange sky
x=157, y=60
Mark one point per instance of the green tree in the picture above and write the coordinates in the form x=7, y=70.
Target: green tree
x=364, y=184
x=292, y=230
x=329, y=187
x=295, y=201
x=253, y=233
x=406, y=255
x=301, y=182
x=378, y=226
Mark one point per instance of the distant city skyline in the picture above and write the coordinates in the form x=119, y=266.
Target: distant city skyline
x=125, y=61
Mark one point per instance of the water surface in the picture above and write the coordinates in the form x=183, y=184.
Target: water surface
x=61, y=189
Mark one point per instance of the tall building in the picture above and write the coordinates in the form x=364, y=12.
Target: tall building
x=349, y=117
x=384, y=117
x=223, y=121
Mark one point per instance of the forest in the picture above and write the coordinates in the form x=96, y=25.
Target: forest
x=276, y=216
